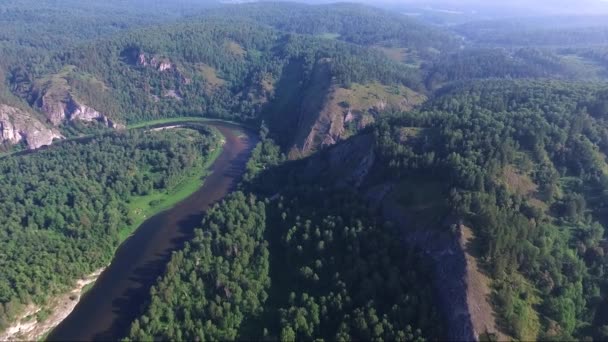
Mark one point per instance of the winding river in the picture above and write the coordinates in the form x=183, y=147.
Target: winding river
x=107, y=310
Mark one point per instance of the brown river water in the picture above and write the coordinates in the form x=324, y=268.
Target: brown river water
x=105, y=312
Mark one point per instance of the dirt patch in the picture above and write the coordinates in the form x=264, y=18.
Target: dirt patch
x=210, y=76
x=400, y=55
x=517, y=182
x=28, y=328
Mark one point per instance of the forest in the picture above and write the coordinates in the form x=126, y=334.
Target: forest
x=522, y=161
x=224, y=68
x=525, y=161
x=497, y=126
x=65, y=209
x=291, y=269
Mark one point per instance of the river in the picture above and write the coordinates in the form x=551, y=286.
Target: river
x=107, y=310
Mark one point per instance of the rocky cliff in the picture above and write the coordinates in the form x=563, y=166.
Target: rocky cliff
x=67, y=108
x=160, y=64
x=17, y=125
x=55, y=96
x=330, y=113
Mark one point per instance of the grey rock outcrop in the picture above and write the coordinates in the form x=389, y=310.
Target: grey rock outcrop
x=141, y=59
x=160, y=64
x=73, y=110
x=17, y=125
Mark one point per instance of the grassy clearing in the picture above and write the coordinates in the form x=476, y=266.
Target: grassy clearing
x=184, y=119
x=143, y=207
x=584, y=67
x=517, y=182
x=210, y=75
x=166, y=121
x=360, y=97
x=236, y=49
x=401, y=55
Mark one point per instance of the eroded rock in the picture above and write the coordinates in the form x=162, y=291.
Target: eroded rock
x=71, y=109
x=17, y=125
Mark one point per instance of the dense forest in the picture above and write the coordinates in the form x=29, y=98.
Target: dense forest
x=499, y=127
x=526, y=162
x=65, y=209
x=358, y=24
x=523, y=161
x=291, y=269
x=31, y=28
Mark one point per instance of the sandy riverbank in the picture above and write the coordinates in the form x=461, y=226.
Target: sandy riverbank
x=27, y=328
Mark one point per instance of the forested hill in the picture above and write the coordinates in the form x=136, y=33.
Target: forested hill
x=314, y=74
x=524, y=164
x=33, y=27
x=354, y=23
x=225, y=68
x=510, y=177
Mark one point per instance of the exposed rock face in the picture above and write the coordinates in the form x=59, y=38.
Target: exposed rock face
x=164, y=66
x=72, y=110
x=346, y=164
x=17, y=125
x=449, y=273
x=329, y=113
x=141, y=59
x=54, y=110
x=88, y=114
x=160, y=64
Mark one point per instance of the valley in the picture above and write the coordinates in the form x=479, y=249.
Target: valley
x=114, y=299
x=286, y=171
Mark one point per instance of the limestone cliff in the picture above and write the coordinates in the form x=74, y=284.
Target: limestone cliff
x=344, y=111
x=68, y=108
x=17, y=125
x=328, y=112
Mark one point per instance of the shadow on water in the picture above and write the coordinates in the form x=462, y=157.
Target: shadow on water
x=119, y=295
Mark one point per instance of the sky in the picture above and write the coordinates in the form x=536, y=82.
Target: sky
x=501, y=7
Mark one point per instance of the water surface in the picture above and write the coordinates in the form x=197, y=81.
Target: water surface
x=107, y=310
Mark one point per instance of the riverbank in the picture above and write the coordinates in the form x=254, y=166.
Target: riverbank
x=186, y=119
x=143, y=207
x=37, y=321
x=108, y=309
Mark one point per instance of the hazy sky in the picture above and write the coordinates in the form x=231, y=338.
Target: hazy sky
x=522, y=7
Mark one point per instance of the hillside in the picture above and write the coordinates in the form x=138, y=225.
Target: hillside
x=349, y=22
x=229, y=69
x=502, y=184
x=524, y=161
